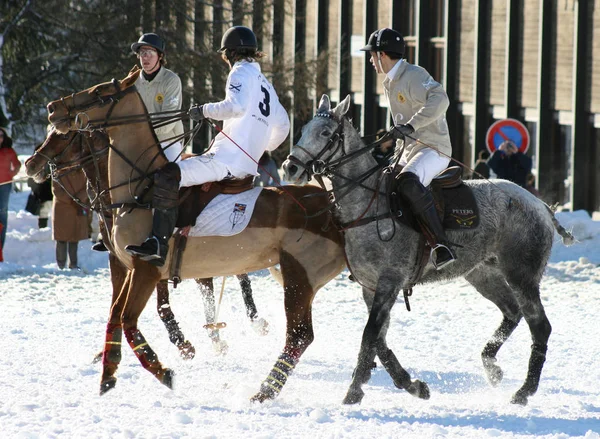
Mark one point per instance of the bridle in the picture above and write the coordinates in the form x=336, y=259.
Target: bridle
x=322, y=164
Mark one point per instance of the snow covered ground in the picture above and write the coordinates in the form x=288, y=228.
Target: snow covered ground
x=53, y=324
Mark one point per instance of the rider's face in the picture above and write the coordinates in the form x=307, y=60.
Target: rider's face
x=149, y=59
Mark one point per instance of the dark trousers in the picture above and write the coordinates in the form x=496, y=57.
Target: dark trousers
x=64, y=247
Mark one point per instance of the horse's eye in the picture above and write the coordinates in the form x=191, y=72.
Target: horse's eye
x=326, y=133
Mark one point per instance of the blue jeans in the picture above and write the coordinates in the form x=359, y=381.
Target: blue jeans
x=4, y=196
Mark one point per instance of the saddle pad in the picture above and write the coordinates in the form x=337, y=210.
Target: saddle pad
x=226, y=215
x=460, y=208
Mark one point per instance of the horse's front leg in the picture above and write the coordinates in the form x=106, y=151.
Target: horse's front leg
x=299, y=295
x=186, y=350
x=373, y=336
x=142, y=280
x=111, y=353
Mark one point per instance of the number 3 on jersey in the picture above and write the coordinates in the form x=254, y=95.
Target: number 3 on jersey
x=264, y=106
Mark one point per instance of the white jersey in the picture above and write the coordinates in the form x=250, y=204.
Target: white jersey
x=253, y=118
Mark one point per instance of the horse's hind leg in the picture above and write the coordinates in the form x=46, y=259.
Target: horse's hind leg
x=528, y=296
x=163, y=306
x=143, y=279
x=299, y=295
x=260, y=325
x=491, y=284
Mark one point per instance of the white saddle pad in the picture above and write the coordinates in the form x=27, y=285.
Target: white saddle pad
x=226, y=215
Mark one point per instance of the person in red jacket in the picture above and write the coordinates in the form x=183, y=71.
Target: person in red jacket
x=9, y=167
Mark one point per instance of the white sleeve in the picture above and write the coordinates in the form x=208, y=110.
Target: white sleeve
x=237, y=96
x=281, y=128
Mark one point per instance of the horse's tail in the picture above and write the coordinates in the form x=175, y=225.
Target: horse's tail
x=567, y=237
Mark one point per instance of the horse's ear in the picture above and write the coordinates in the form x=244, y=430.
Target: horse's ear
x=324, y=105
x=133, y=75
x=342, y=108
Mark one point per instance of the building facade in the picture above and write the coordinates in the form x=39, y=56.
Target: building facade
x=536, y=61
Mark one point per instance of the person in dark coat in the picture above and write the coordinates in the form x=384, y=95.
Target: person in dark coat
x=482, y=169
x=510, y=164
x=43, y=193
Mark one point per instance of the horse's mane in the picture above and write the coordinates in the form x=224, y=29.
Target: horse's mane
x=124, y=83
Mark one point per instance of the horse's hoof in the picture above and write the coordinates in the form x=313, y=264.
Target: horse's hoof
x=494, y=373
x=168, y=378
x=419, y=389
x=354, y=397
x=519, y=398
x=261, y=397
x=260, y=326
x=107, y=384
x=220, y=347
x=187, y=350
x=98, y=357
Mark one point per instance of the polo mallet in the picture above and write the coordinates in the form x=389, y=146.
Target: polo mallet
x=218, y=325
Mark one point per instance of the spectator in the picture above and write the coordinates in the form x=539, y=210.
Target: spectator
x=482, y=169
x=530, y=185
x=268, y=175
x=9, y=167
x=69, y=219
x=42, y=194
x=383, y=152
x=510, y=164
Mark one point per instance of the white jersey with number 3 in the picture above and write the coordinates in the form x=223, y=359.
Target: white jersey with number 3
x=253, y=119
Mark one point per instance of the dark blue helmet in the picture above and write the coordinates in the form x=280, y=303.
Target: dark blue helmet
x=151, y=40
x=385, y=40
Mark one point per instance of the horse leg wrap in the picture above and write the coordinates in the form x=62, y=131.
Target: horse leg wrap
x=279, y=374
x=144, y=352
x=112, y=346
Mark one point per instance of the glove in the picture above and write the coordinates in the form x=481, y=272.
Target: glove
x=196, y=113
x=400, y=131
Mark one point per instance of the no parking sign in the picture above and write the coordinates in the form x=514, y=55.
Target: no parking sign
x=507, y=129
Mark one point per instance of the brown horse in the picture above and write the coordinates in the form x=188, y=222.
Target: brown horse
x=282, y=231
x=80, y=152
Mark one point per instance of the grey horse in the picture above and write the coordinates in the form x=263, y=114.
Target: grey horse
x=503, y=258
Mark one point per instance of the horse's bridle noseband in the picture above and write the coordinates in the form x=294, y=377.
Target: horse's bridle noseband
x=317, y=166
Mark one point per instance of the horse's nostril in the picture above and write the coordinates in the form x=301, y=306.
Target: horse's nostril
x=50, y=108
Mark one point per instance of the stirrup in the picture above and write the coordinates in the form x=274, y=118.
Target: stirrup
x=149, y=251
x=443, y=263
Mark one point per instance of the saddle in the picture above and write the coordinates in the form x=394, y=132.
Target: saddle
x=193, y=200
x=454, y=202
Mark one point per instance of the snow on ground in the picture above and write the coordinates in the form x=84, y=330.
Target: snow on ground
x=54, y=321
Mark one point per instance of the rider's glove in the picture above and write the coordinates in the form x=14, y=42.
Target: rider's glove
x=399, y=131
x=196, y=113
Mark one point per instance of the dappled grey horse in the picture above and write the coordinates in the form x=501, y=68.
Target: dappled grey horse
x=503, y=258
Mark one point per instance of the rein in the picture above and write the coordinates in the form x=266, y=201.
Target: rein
x=319, y=167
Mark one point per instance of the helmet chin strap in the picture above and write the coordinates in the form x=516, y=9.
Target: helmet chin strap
x=379, y=62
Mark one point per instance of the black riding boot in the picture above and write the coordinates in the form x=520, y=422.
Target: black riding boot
x=421, y=201
x=99, y=246
x=165, y=202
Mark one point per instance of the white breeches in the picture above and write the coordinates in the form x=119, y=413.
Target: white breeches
x=426, y=164
x=204, y=168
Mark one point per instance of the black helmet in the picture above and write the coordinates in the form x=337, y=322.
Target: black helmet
x=151, y=40
x=385, y=40
x=238, y=37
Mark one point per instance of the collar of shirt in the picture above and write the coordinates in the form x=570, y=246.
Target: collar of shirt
x=392, y=73
x=250, y=63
